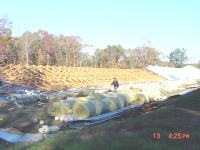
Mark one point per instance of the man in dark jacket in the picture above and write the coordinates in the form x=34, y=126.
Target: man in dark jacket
x=1, y=83
x=115, y=84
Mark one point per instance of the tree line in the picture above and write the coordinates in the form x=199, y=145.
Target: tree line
x=44, y=48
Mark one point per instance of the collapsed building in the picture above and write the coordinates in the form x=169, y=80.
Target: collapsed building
x=97, y=104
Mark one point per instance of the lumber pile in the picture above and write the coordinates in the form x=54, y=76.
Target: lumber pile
x=60, y=77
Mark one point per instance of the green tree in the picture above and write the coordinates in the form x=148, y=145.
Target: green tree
x=98, y=58
x=116, y=53
x=111, y=56
x=178, y=57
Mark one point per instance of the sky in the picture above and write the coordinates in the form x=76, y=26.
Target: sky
x=162, y=24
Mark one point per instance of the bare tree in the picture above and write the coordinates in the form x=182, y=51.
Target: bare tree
x=5, y=39
x=29, y=43
x=48, y=45
x=26, y=43
x=74, y=46
x=141, y=57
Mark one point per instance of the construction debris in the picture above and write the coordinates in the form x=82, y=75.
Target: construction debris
x=90, y=105
x=51, y=77
x=48, y=129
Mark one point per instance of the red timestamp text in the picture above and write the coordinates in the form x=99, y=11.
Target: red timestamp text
x=156, y=135
x=177, y=135
x=172, y=135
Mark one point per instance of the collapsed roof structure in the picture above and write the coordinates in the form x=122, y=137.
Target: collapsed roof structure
x=186, y=73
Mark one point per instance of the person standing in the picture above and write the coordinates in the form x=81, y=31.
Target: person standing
x=115, y=83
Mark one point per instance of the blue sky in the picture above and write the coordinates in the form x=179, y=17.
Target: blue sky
x=168, y=24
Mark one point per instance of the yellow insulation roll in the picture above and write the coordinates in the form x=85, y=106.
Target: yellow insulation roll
x=141, y=98
x=110, y=103
x=58, y=109
x=97, y=96
x=135, y=97
x=82, y=99
x=116, y=101
x=84, y=109
x=124, y=98
x=132, y=98
x=105, y=106
x=69, y=102
x=97, y=104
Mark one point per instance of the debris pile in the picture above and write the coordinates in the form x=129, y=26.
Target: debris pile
x=52, y=77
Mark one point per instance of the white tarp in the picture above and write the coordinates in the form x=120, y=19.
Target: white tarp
x=169, y=73
x=13, y=137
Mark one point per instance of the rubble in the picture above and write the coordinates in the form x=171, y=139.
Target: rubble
x=41, y=122
x=48, y=129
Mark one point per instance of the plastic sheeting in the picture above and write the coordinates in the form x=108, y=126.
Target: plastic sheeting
x=100, y=118
x=13, y=137
x=169, y=73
